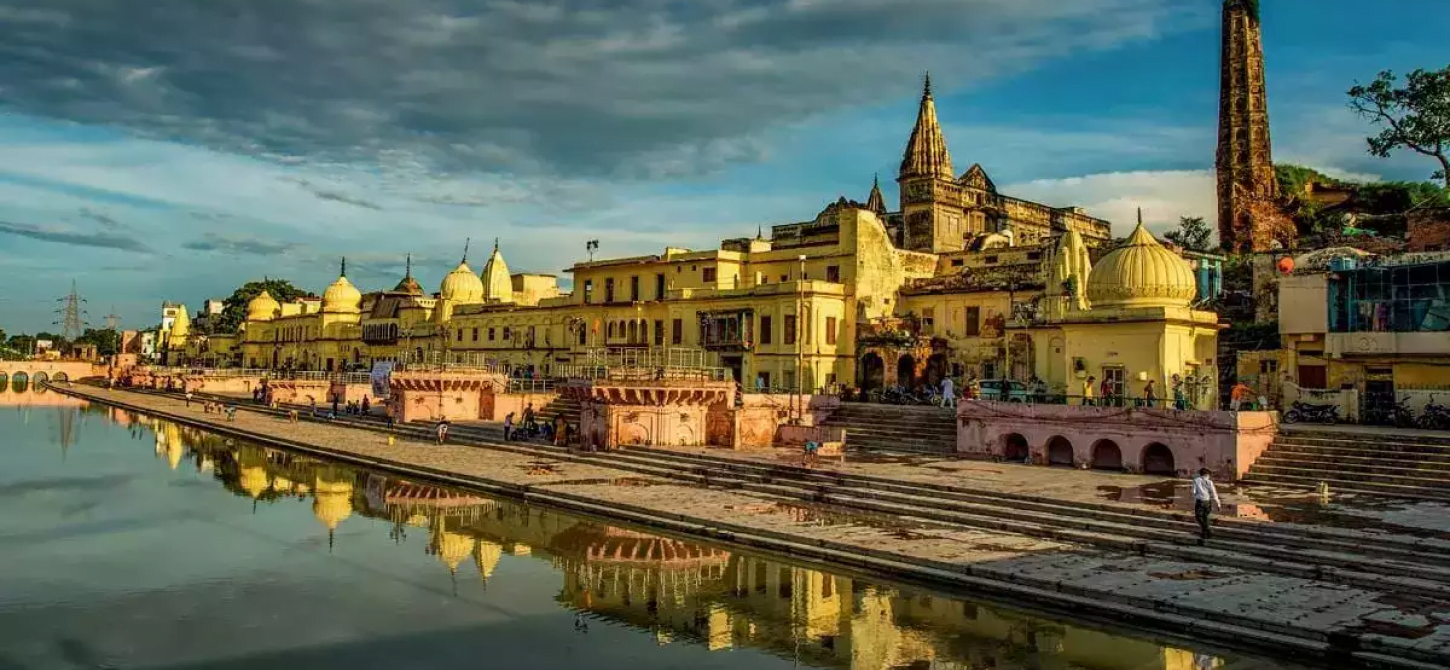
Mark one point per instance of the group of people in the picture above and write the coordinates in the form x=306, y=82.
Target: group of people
x=557, y=431
x=352, y=407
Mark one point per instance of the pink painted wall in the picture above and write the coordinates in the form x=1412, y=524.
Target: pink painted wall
x=1224, y=442
x=300, y=392
x=238, y=386
x=347, y=393
x=756, y=424
x=612, y=426
x=495, y=407
x=434, y=405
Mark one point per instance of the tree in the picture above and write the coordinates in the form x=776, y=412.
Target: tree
x=1415, y=117
x=1193, y=234
x=235, y=306
x=106, y=341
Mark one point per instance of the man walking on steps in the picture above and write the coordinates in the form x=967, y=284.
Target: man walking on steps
x=1205, y=500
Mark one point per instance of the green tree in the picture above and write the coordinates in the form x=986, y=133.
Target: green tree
x=235, y=306
x=1193, y=234
x=107, y=341
x=22, y=344
x=1415, y=116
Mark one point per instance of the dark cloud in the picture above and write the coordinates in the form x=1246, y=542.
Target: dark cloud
x=80, y=239
x=327, y=194
x=630, y=88
x=100, y=218
x=215, y=242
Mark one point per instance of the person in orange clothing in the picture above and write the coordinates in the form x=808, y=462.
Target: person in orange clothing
x=1240, y=394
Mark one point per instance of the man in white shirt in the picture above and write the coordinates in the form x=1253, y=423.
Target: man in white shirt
x=948, y=393
x=1205, y=500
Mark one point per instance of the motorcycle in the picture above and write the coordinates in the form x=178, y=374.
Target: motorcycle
x=1384, y=414
x=1434, y=417
x=1302, y=411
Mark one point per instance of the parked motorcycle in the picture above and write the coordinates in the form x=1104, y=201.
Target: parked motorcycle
x=1384, y=414
x=1302, y=411
x=1435, y=416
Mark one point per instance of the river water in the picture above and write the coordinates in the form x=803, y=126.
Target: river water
x=128, y=542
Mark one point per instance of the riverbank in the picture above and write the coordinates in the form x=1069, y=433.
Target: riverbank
x=1268, y=611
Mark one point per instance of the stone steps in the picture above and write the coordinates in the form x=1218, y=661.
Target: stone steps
x=1390, y=463
x=1368, y=465
x=1332, y=471
x=931, y=430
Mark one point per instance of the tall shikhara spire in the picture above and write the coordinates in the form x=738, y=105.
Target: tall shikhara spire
x=926, y=151
x=1248, y=216
x=876, y=202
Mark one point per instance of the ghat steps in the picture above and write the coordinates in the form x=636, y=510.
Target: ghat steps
x=1410, y=465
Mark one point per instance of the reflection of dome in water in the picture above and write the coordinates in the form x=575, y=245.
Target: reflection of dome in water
x=451, y=547
x=332, y=496
x=405, y=493
x=251, y=465
x=1141, y=273
x=172, y=444
x=486, y=556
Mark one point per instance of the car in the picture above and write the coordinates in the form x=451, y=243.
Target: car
x=992, y=389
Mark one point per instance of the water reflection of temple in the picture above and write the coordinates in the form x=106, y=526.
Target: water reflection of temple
x=680, y=590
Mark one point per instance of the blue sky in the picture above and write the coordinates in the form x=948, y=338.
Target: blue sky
x=177, y=149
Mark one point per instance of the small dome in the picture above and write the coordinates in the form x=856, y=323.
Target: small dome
x=497, y=286
x=408, y=284
x=341, y=298
x=461, y=285
x=263, y=307
x=1141, y=273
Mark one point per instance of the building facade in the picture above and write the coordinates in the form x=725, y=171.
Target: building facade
x=962, y=281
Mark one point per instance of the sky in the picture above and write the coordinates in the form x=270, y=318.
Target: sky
x=175, y=149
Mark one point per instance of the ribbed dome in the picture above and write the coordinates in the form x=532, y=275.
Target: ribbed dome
x=451, y=547
x=486, y=555
x=1141, y=273
x=342, y=297
x=408, y=284
x=461, y=285
x=497, y=286
x=263, y=307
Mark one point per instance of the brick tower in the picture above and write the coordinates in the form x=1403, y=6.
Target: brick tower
x=1249, y=218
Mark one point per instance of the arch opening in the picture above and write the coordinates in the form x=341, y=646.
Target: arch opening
x=1014, y=447
x=1107, y=456
x=1059, y=452
x=873, y=372
x=1158, y=460
x=906, y=371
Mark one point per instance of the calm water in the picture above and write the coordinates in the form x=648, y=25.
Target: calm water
x=131, y=543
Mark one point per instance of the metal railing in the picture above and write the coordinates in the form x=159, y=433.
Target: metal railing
x=439, y=360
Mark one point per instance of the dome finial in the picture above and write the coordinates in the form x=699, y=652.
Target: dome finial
x=926, y=89
x=466, y=240
x=1140, y=216
x=343, y=271
x=495, y=244
x=408, y=266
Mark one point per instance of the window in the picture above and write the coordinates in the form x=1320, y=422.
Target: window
x=784, y=278
x=459, y=338
x=659, y=331
x=1268, y=365
x=991, y=260
x=507, y=334
x=1115, y=377
x=957, y=262
x=765, y=330
x=974, y=322
x=660, y=286
x=583, y=335
x=830, y=330
x=708, y=275
x=928, y=320
x=833, y=274
x=790, y=327
x=588, y=292
x=677, y=331
x=609, y=290
x=475, y=334
x=634, y=288
x=490, y=335
x=1034, y=255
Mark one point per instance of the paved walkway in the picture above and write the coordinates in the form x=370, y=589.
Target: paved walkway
x=1243, y=606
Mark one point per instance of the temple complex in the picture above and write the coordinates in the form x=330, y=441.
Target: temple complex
x=961, y=281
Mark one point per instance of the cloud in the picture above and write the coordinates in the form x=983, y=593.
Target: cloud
x=100, y=218
x=335, y=196
x=632, y=89
x=74, y=238
x=1164, y=196
x=234, y=245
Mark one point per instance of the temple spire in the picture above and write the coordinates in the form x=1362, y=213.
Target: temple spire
x=926, y=151
x=876, y=202
x=408, y=266
x=343, y=271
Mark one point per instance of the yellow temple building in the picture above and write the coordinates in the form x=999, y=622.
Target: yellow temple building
x=961, y=281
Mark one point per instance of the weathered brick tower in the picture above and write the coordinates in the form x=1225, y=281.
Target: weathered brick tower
x=1249, y=217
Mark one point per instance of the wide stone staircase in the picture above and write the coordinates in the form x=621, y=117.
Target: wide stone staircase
x=569, y=407
x=1392, y=463
x=872, y=427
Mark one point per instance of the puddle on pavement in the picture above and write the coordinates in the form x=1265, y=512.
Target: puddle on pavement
x=1161, y=494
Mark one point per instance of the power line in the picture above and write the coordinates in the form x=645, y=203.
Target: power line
x=113, y=320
